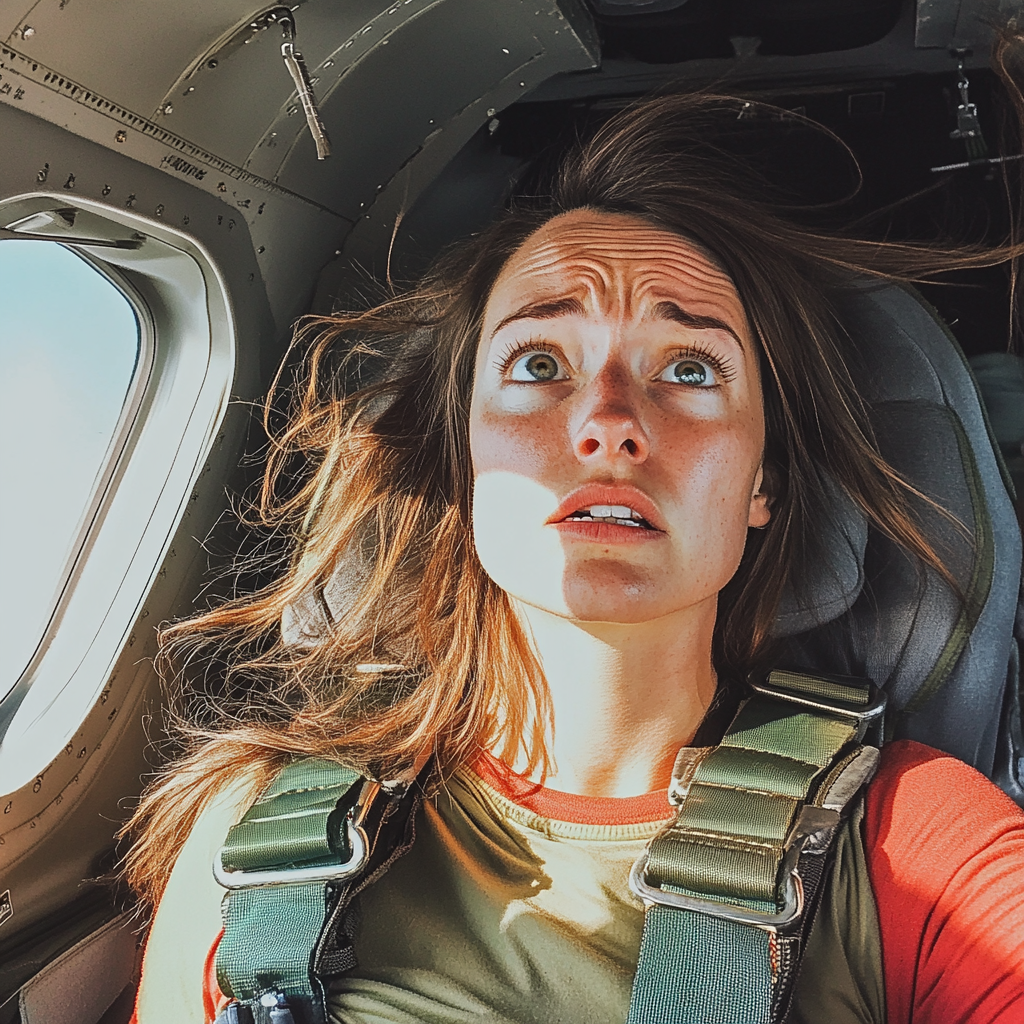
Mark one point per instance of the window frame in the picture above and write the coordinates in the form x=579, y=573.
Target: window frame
x=78, y=541
x=180, y=391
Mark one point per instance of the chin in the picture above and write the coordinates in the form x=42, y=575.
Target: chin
x=614, y=593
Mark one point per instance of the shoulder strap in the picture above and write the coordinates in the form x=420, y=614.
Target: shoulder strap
x=289, y=866
x=731, y=884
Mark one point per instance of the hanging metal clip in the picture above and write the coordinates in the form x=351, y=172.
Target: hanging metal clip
x=300, y=76
x=968, y=127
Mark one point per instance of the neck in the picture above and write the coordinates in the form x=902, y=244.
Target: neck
x=626, y=697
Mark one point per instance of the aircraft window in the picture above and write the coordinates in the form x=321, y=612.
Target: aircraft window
x=113, y=400
x=69, y=348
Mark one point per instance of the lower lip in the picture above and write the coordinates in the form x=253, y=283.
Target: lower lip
x=605, y=533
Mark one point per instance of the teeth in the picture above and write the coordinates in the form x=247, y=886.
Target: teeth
x=612, y=512
x=620, y=515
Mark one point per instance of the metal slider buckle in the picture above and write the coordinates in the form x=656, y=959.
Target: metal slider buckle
x=868, y=717
x=785, y=919
x=811, y=825
x=359, y=844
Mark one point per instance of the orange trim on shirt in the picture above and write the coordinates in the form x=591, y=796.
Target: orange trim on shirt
x=213, y=999
x=580, y=810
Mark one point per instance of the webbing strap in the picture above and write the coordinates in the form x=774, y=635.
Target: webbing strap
x=729, y=884
x=270, y=928
x=288, y=824
x=699, y=968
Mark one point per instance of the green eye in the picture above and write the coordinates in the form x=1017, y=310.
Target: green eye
x=536, y=366
x=689, y=371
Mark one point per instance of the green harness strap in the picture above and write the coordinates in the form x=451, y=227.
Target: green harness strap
x=731, y=884
x=288, y=865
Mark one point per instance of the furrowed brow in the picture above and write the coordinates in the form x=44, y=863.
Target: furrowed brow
x=547, y=310
x=675, y=313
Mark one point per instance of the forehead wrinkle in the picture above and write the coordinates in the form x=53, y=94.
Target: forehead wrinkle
x=624, y=292
x=702, y=273
x=584, y=276
x=634, y=240
x=614, y=268
x=650, y=290
x=642, y=260
x=605, y=286
x=551, y=255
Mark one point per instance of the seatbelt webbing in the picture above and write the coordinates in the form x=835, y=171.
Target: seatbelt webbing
x=694, y=967
x=297, y=825
x=731, y=883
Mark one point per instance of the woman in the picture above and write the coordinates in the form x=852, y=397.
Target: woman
x=539, y=558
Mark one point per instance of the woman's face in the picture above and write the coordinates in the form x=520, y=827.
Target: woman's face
x=616, y=426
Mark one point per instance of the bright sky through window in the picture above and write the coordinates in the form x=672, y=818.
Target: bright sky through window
x=69, y=341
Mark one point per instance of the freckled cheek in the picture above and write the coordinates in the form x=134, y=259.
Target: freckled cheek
x=518, y=443
x=712, y=463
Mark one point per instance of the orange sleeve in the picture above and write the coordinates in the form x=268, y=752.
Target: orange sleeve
x=946, y=858
x=213, y=999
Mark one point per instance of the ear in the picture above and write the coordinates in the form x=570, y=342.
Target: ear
x=760, y=503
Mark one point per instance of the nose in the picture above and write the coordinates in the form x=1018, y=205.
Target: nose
x=607, y=425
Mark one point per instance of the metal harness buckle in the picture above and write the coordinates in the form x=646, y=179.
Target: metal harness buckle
x=790, y=914
x=812, y=823
x=870, y=716
x=359, y=844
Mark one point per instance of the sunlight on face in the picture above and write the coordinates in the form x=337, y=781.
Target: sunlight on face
x=499, y=496
x=616, y=426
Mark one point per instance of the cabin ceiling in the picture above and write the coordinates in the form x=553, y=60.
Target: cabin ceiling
x=192, y=88
x=209, y=90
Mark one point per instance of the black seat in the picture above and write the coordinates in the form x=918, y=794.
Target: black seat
x=952, y=674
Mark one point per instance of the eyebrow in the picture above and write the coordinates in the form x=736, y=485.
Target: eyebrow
x=675, y=313
x=569, y=306
x=547, y=310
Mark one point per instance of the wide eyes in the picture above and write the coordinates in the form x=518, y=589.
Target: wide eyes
x=537, y=366
x=540, y=366
x=694, y=372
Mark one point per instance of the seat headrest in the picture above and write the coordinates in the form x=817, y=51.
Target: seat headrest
x=830, y=587
x=943, y=665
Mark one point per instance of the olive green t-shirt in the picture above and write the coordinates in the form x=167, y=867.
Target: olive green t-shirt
x=502, y=915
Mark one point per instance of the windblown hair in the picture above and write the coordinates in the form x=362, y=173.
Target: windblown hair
x=385, y=500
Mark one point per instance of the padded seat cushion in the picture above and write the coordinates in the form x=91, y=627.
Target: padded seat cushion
x=944, y=667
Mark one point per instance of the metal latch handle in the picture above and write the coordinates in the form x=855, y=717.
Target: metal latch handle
x=303, y=85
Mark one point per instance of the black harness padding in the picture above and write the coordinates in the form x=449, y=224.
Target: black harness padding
x=394, y=833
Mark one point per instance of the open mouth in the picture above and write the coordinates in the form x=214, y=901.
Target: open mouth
x=617, y=515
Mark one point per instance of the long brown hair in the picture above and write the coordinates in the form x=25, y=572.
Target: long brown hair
x=385, y=497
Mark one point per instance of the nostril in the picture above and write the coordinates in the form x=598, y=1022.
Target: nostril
x=630, y=445
x=589, y=446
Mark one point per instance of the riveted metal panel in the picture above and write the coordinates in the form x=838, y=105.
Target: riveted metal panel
x=130, y=51
x=228, y=107
x=960, y=23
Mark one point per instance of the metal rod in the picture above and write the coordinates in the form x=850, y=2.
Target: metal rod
x=303, y=86
x=983, y=162
x=34, y=236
